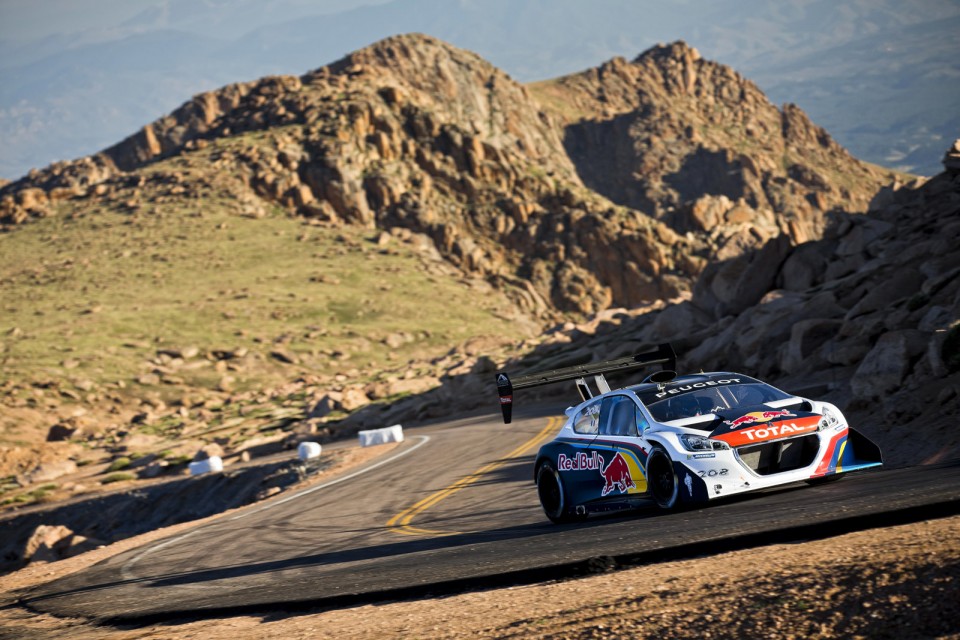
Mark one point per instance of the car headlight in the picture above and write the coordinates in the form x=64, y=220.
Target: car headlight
x=701, y=443
x=828, y=420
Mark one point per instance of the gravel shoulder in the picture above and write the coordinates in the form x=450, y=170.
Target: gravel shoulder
x=885, y=583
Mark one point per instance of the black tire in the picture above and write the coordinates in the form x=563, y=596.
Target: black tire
x=553, y=498
x=833, y=477
x=662, y=480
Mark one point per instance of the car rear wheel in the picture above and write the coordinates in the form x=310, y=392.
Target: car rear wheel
x=553, y=498
x=664, y=487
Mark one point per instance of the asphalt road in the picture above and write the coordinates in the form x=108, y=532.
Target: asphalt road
x=455, y=507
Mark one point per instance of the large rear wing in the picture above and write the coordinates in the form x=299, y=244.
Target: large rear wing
x=664, y=354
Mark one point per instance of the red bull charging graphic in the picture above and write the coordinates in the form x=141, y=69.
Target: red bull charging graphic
x=758, y=416
x=617, y=476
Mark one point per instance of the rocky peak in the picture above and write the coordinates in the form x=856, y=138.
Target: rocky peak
x=692, y=143
x=457, y=86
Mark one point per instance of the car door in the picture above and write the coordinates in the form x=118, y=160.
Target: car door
x=578, y=465
x=619, y=446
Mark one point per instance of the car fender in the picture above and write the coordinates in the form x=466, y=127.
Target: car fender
x=693, y=489
x=669, y=440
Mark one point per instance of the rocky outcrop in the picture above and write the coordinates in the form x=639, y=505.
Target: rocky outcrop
x=951, y=159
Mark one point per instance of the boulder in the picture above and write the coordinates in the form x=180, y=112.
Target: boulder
x=706, y=213
x=284, y=356
x=353, y=399
x=806, y=338
x=888, y=363
x=741, y=282
x=902, y=283
x=47, y=543
x=61, y=431
x=679, y=319
x=864, y=233
x=47, y=471
x=804, y=267
x=846, y=352
x=326, y=405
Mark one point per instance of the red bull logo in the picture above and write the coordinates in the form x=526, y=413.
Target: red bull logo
x=579, y=461
x=758, y=416
x=617, y=476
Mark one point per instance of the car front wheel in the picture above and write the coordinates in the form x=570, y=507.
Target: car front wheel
x=664, y=487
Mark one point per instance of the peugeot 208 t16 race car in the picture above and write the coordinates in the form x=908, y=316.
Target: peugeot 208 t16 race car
x=682, y=439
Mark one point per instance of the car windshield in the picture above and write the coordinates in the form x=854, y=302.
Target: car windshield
x=702, y=401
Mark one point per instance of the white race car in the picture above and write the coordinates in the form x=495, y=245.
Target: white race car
x=682, y=439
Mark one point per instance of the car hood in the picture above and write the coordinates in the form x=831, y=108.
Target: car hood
x=753, y=425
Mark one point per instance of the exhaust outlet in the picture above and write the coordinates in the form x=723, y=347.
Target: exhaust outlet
x=581, y=510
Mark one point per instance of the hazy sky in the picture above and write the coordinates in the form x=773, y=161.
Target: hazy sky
x=31, y=19
x=77, y=76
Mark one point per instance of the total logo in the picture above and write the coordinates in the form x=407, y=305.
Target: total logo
x=776, y=430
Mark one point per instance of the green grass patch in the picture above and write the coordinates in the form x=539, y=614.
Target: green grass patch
x=35, y=495
x=118, y=464
x=118, y=476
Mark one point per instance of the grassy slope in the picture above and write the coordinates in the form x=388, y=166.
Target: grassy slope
x=97, y=290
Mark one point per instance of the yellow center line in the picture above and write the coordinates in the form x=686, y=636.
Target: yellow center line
x=401, y=523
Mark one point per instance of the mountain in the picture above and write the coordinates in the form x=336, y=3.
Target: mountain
x=869, y=71
x=610, y=187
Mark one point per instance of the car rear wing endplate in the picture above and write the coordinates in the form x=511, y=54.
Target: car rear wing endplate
x=663, y=354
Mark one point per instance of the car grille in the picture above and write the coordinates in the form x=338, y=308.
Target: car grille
x=780, y=455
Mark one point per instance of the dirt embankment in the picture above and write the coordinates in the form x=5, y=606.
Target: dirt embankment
x=900, y=582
